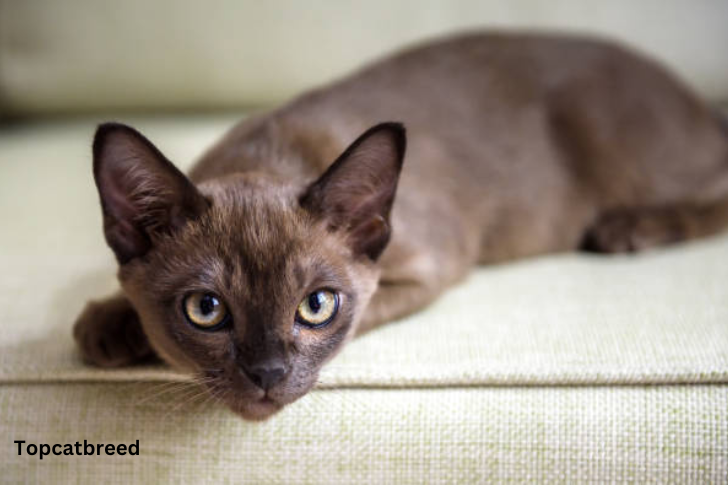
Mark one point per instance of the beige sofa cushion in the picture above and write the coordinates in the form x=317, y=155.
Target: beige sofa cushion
x=442, y=435
x=90, y=55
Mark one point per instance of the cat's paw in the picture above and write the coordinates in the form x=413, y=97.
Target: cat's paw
x=632, y=231
x=109, y=334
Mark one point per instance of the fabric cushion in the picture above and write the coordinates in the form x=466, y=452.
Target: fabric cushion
x=439, y=435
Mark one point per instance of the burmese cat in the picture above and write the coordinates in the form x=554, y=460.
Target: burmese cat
x=287, y=239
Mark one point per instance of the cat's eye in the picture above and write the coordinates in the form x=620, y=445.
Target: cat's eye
x=205, y=310
x=318, y=308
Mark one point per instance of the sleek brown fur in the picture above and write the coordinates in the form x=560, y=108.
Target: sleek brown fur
x=518, y=145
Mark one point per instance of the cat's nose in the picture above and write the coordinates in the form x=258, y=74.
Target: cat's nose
x=265, y=374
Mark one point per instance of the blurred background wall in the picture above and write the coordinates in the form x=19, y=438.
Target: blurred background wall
x=87, y=55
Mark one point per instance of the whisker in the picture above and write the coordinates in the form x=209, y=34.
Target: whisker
x=194, y=391
x=171, y=387
x=208, y=399
x=218, y=392
x=190, y=399
x=164, y=390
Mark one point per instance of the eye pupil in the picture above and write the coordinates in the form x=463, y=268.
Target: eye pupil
x=314, y=301
x=208, y=304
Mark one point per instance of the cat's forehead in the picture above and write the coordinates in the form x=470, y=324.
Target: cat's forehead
x=255, y=230
x=260, y=220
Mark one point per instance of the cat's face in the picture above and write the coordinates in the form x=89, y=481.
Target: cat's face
x=248, y=282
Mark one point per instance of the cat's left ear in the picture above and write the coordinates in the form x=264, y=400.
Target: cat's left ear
x=357, y=191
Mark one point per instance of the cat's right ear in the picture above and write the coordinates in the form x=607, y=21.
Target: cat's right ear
x=143, y=195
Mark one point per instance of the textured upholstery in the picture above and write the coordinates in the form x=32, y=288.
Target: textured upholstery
x=569, y=367
x=653, y=434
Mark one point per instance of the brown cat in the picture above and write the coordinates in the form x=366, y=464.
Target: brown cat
x=255, y=270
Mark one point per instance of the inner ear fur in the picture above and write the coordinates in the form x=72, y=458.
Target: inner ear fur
x=142, y=193
x=357, y=191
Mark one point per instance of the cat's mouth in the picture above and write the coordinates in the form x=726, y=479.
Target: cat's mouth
x=251, y=403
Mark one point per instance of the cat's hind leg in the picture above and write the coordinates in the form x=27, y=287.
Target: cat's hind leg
x=109, y=334
x=636, y=229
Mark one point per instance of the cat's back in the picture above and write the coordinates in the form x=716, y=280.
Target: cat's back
x=483, y=108
x=474, y=77
x=491, y=101
x=484, y=93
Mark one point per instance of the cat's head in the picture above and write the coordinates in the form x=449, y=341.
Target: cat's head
x=249, y=282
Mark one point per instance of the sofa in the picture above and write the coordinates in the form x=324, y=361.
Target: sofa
x=566, y=368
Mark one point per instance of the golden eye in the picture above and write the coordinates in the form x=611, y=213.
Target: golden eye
x=318, y=308
x=205, y=310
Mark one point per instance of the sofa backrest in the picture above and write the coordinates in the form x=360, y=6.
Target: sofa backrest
x=85, y=55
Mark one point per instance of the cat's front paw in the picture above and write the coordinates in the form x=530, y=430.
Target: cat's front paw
x=109, y=334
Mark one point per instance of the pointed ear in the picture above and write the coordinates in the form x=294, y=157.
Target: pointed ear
x=356, y=193
x=142, y=194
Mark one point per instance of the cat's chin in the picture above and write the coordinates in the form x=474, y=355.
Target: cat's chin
x=256, y=410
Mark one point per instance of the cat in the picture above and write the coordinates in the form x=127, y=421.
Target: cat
x=287, y=240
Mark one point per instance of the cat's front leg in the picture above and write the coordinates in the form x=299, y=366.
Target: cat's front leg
x=109, y=333
x=395, y=299
x=411, y=279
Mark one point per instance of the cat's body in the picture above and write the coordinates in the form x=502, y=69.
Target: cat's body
x=517, y=146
